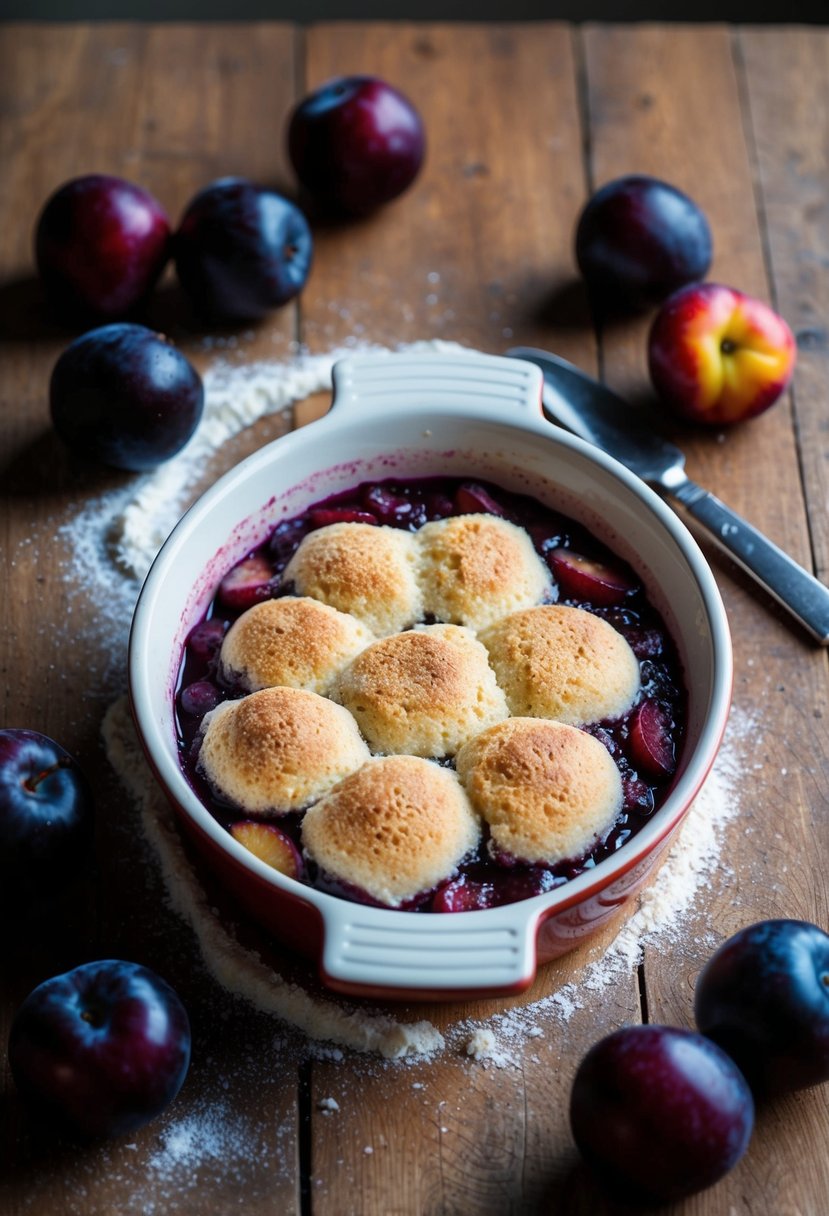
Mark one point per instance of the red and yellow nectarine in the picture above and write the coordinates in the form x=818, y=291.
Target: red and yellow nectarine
x=718, y=356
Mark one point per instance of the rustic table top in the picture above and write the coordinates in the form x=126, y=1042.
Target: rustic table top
x=524, y=122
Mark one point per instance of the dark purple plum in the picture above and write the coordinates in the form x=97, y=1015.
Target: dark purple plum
x=124, y=396
x=247, y=583
x=764, y=998
x=514, y=882
x=198, y=698
x=582, y=578
x=205, y=640
x=387, y=506
x=102, y=1049
x=650, y=740
x=46, y=814
x=100, y=245
x=356, y=143
x=638, y=240
x=464, y=895
x=241, y=251
x=471, y=498
x=438, y=506
x=660, y=1113
x=323, y=517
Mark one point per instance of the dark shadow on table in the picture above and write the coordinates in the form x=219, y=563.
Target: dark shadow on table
x=27, y=316
x=44, y=468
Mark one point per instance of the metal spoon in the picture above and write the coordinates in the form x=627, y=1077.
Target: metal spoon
x=595, y=413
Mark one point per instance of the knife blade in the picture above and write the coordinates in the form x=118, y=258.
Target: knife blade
x=594, y=412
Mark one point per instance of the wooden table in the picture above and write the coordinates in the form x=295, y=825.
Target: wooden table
x=524, y=122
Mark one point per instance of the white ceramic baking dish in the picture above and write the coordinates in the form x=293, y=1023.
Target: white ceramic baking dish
x=418, y=415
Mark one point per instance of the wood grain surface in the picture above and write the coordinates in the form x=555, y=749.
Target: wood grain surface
x=523, y=123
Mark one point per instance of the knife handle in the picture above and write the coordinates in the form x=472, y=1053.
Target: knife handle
x=792, y=586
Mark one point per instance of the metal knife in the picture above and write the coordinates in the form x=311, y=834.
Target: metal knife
x=595, y=413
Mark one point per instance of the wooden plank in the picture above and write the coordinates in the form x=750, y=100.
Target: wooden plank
x=492, y=218
x=479, y=251
x=787, y=85
x=647, y=111
x=170, y=108
x=785, y=80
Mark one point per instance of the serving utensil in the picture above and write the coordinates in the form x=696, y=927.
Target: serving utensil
x=594, y=412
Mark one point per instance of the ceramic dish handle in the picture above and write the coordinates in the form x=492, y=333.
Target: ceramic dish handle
x=435, y=379
x=452, y=952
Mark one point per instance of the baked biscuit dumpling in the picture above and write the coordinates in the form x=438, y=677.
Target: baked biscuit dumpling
x=362, y=569
x=393, y=830
x=293, y=641
x=548, y=791
x=278, y=749
x=423, y=692
x=559, y=662
x=475, y=569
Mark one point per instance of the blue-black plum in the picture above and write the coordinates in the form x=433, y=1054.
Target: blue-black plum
x=356, y=143
x=638, y=240
x=764, y=998
x=659, y=1113
x=101, y=1049
x=241, y=251
x=46, y=814
x=123, y=395
x=100, y=245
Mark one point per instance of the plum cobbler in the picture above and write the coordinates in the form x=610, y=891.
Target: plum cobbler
x=431, y=695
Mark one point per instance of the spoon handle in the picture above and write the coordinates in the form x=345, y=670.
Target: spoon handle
x=794, y=588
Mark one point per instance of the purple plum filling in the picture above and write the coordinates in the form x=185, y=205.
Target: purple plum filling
x=644, y=743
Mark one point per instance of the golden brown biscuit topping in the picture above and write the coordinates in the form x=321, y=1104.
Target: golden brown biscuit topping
x=554, y=661
x=395, y=829
x=365, y=570
x=476, y=568
x=294, y=642
x=278, y=749
x=423, y=692
x=547, y=790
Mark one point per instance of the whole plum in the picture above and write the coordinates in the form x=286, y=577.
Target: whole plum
x=638, y=240
x=100, y=245
x=123, y=395
x=660, y=1113
x=241, y=251
x=356, y=143
x=764, y=998
x=102, y=1049
x=46, y=814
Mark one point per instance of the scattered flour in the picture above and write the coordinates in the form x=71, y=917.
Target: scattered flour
x=111, y=542
x=481, y=1044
